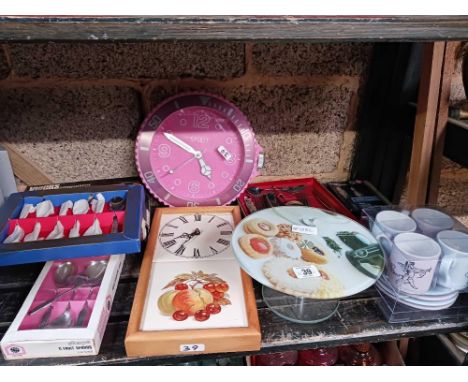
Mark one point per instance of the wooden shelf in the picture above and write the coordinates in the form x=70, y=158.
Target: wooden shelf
x=260, y=28
x=358, y=320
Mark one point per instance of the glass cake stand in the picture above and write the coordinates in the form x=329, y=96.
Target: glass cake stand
x=306, y=259
x=299, y=309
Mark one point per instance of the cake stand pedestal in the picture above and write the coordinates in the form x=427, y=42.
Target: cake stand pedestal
x=299, y=309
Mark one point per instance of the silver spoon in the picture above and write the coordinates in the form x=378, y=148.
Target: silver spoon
x=64, y=274
x=92, y=276
x=65, y=320
x=84, y=311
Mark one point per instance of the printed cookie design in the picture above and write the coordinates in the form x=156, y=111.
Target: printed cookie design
x=260, y=227
x=279, y=271
x=312, y=253
x=256, y=246
x=283, y=247
x=285, y=230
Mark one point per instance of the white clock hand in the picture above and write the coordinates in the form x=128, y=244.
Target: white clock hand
x=205, y=169
x=182, y=145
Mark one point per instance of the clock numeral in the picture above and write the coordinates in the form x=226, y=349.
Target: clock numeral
x=192, y=204
x=149, y=176
x=166, y=234
x=226, y=232
x=168, y=244
x=238, y=185
x=209, y=221
x=196, y=253
x=183, y=219
x=213, y=251
x=180, y=250
x=222, y=224
x=223, y=241
x=197, y=217
x=172, y=226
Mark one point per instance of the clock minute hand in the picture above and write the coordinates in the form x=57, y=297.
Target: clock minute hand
x=182, y=144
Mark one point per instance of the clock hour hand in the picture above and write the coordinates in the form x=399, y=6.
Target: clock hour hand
x=189, y=236
x=204, y=168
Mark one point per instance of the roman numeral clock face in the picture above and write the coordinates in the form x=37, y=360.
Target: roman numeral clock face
x=196, y=235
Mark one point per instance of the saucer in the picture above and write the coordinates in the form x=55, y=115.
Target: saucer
x=414, y=303
x=436, y=293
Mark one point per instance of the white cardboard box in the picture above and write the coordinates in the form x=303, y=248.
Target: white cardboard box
x=21, y=341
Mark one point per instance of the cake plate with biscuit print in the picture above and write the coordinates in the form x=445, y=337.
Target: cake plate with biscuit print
x=307, y=259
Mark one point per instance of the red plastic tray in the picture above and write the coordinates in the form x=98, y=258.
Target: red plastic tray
x=307, y=191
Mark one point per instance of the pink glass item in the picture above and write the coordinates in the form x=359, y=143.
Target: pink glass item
x=318, y=357
x=196, y=149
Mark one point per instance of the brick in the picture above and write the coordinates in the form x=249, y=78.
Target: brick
x=280, y=59
x=4, y=67
x=128, y=60
x=300, y=128
x=77, y=133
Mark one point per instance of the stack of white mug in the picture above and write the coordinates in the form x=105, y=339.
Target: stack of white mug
x=426, y=257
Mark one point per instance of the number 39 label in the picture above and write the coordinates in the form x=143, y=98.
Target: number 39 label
x=306, y=271
x=190, y=348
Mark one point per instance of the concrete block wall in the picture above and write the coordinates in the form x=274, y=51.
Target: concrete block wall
x=74, y=109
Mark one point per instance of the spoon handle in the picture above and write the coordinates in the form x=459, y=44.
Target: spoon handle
x=53, y=299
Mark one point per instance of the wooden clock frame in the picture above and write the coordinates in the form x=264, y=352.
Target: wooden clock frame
x=168, y=342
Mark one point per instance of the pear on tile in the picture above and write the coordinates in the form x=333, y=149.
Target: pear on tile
x=57, y=232
x=65, y=207
x=94, y=229
x=16, y=236
x=34, y=234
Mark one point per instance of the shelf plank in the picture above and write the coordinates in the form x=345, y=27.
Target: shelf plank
x=358, y=320
x=310, y=28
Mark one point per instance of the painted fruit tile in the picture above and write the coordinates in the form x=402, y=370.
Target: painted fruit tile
x=163, y=299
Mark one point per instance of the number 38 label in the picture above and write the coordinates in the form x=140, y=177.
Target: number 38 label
x=190, y=348
x=306, y=271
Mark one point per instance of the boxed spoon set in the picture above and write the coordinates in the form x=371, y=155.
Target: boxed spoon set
x=57, y=224
x=66, y=312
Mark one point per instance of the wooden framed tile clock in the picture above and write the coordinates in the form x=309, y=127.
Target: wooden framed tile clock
x=192, y=295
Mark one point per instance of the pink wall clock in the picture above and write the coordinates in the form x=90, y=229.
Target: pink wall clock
x=197, y=149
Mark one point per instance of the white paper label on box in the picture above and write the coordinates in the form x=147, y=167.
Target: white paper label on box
x=306, y=272
x=305, y=229
x=190, y=348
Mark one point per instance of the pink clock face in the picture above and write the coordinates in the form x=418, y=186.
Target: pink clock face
x=196, y=149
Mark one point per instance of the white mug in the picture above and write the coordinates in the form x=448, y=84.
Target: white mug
x=431, y=222
x=388, y=224
x=453, y=269
x=413, y=262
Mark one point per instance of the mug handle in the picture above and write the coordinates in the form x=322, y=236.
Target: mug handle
x=446, y=265
x=385, y=242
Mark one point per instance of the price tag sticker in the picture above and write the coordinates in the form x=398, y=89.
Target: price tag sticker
x=190, y=348
x=306, y=272
x=305, y=229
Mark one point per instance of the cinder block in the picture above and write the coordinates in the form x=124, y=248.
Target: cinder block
x=73, y=133
x=219, y=60
x=282, y=59
x=300, y=128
